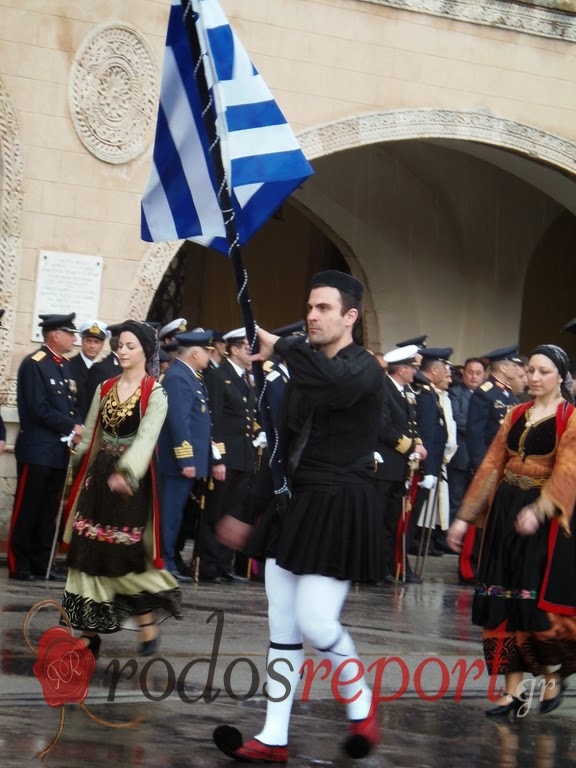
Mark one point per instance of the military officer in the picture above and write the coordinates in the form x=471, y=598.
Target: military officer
x=93, y=335
x=219, y=351
x=167, y=332
x=185, y=440
x=489, y=404
x=431, y=426
x=492, y=400
x=399, y=441
x=109, y=367
x=49, y=424
x=233, y=407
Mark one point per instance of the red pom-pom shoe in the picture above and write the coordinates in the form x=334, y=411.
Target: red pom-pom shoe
x=363, y=736
x=229, y=740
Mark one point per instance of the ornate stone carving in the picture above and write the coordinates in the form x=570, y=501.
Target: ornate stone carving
x=507, y=14
x=11, y=200
x=378, y=127
x=436, y=123
x=114, y=92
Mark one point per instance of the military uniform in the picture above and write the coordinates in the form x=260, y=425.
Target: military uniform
x=397, y=437
x=81, y=366
x=47, y=412
x=489, y=404
x=233, y=407
x=185, y=441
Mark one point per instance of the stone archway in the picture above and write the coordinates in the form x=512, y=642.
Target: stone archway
x=382, y=127
x=11, y=201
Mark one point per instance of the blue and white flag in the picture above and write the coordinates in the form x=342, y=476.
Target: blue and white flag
x=261, y=157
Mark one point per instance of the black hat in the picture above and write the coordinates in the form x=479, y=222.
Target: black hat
x=340, y=280
x=114, y=330
x=58, y=323
x=570, y=326
x=294, y=329
x=195, y=339
x=436, y=353
x=169, y=346
x=504, y=353
x=163, y=356
x=218, y=336
x=419, y=341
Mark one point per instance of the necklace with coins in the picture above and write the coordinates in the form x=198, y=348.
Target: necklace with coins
x=114, y=411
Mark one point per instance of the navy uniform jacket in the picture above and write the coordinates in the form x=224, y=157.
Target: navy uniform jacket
x=432, y=428
x=488, y=406
x=79, y=372
x=108, y=368
x=276, y=380
x=398, y=432
x=46, y=409
x=185, y=437
x=460, y=397
x=233, y=407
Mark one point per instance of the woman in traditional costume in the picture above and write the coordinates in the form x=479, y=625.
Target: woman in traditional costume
x=525, y=597
x=115, y=567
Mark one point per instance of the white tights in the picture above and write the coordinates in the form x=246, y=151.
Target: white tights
x=305, y=607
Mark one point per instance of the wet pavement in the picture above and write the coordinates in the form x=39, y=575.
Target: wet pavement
x=419, y=637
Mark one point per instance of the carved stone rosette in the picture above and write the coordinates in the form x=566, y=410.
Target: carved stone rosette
x=11, y=201
x=506, y=14
x=113, y=92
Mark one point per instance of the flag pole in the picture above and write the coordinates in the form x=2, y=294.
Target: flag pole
x=233, y=239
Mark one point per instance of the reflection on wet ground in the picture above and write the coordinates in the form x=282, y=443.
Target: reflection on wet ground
x=428, y=721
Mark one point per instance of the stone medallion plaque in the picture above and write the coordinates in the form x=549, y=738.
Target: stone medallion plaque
x=114, y=92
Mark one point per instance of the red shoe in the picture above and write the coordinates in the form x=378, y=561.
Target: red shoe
x=363, y=736
x=229, y=740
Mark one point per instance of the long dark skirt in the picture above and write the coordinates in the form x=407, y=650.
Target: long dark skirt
x=518, y=636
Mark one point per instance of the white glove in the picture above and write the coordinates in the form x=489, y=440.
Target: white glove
x=428, y=482
x=260, y=441
x=378, y=458
x=68, y=439
x=216, y=455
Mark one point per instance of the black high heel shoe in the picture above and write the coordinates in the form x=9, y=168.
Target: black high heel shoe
x=93, y=644
x=149, y=647
x=512, y=708
x=549, y=705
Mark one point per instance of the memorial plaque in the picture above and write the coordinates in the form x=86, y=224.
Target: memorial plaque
x=67, y=282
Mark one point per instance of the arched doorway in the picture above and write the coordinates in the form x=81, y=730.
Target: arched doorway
x=400, y=190
x=280, y=259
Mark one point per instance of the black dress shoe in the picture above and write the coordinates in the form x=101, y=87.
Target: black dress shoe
x=512, y=708
x=549, y=705
x=182, y=578
x=231, y=576
x=54, y=575
x=412, y=578
x=23, y=576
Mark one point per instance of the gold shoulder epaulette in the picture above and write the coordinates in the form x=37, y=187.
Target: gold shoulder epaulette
x=487, y=386
x=267, y=366
x=40, y=355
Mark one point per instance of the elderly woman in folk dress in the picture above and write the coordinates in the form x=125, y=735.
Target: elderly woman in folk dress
x=115, y=568
x=527, y=573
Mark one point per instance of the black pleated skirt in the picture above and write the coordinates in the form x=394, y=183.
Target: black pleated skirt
x=331, y=526
x=511, y=568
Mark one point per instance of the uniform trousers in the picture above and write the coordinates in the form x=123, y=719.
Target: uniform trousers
x=390, y=494
x=228, y=498
x=175, y=492
x=32, y=527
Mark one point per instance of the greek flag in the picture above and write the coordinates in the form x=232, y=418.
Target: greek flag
x=262, y=160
